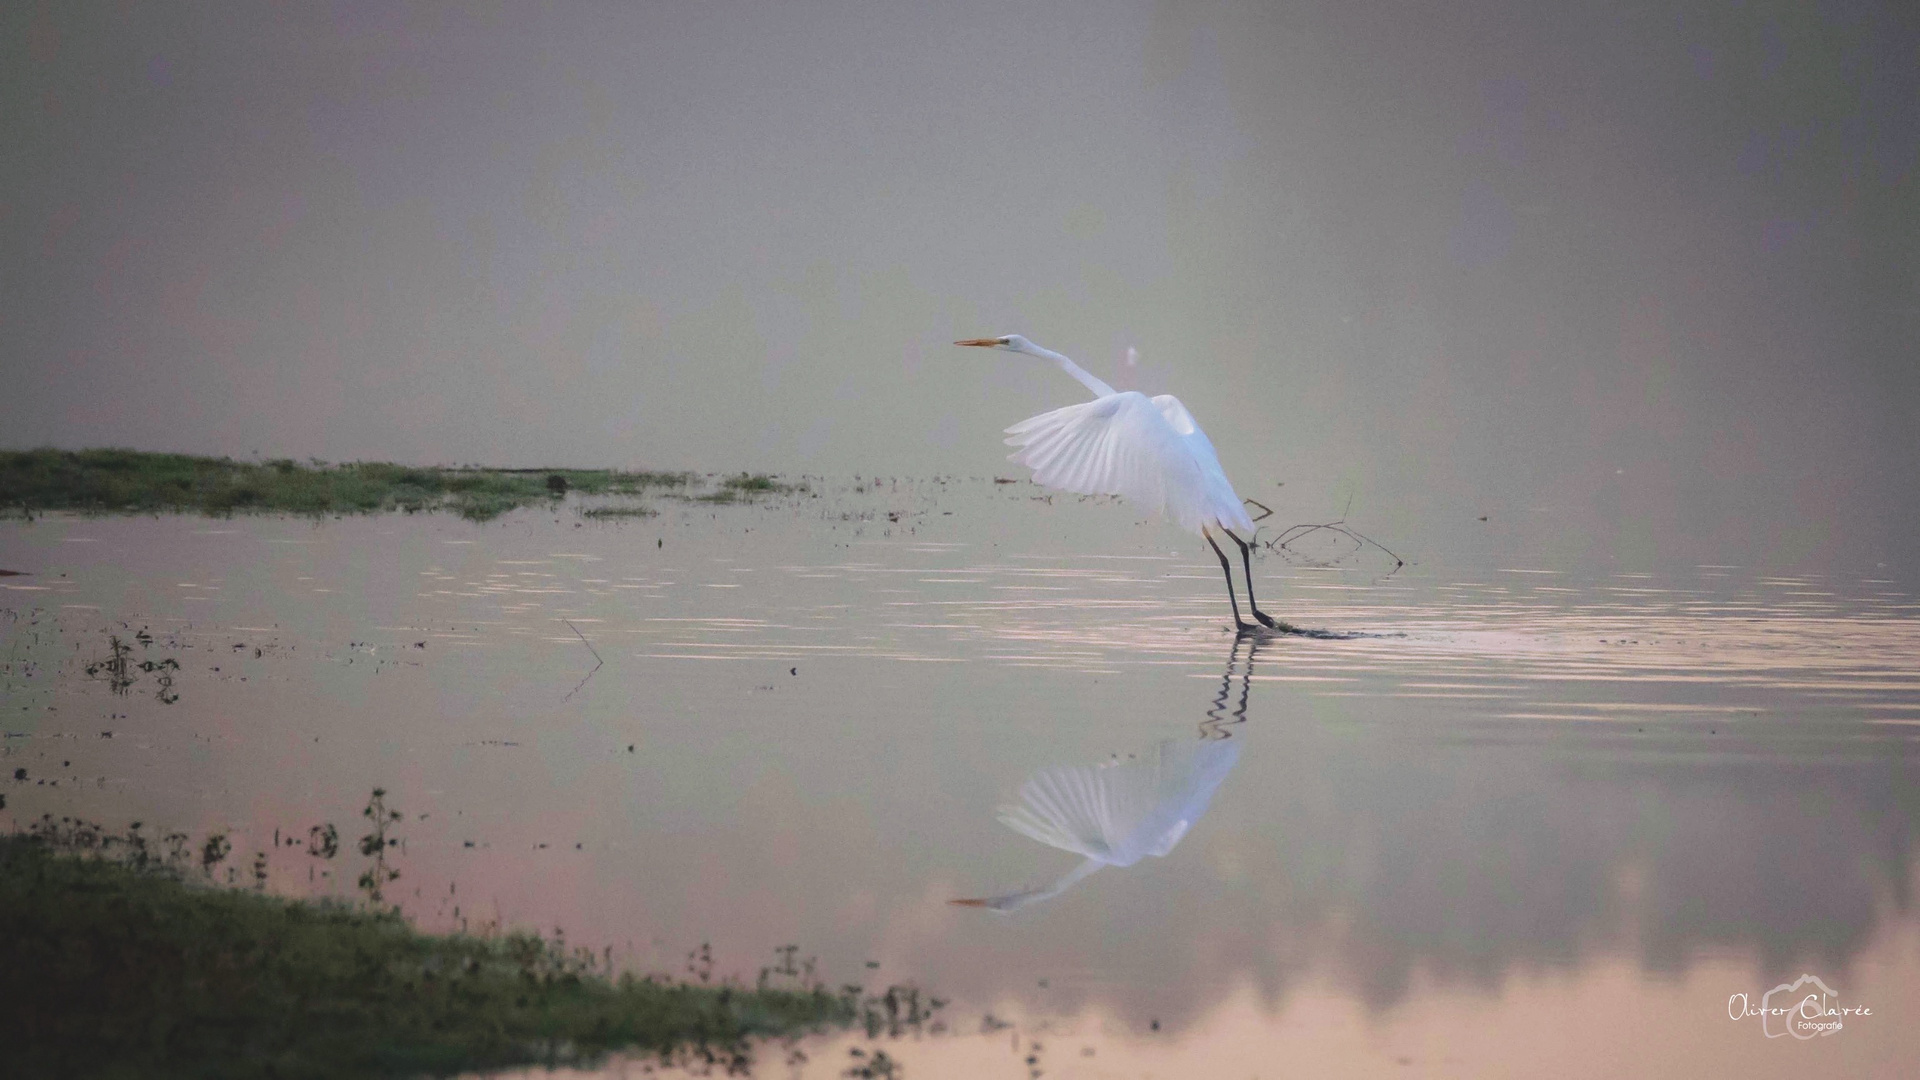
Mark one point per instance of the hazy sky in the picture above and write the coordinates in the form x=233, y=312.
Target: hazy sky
x=1649, y=271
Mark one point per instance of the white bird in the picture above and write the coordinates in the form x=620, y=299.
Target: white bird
x=1117, y=813
x=1146, y=450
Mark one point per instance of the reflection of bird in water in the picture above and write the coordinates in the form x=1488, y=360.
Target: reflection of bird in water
x=1217, y=722
x=1146, y=450
x=1116, y=813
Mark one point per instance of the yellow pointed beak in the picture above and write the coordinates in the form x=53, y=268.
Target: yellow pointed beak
x=983, y=342
x=967, y=903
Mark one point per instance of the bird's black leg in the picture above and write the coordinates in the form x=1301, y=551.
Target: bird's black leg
x=1226, y=568
x=1246, y=560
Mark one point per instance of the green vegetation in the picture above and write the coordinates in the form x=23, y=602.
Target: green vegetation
x=756, y=483
x=618, y=510
x=119, y=481
x=116, y=963
x=747, y=485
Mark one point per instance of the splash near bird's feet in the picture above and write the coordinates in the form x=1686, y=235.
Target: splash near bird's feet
x=1278, y=628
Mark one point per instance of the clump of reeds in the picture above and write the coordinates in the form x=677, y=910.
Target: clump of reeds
x=120, y=481
x=120, y=958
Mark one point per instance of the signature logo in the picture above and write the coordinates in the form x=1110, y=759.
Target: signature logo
x=1805, y=1008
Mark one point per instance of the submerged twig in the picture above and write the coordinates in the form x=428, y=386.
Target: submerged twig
x=584, y=641
x=598, y=663
x=1360, y=539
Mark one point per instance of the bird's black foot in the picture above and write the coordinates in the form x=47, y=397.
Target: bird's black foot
x=1265, y=620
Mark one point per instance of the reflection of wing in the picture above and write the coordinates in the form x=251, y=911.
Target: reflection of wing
x=1146, y=451
x=1118, y=812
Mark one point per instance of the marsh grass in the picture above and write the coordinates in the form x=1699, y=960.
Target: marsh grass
x=120, y=481
x=745, y=487
x=618, y=510
x=757, y=483
x=118, y=961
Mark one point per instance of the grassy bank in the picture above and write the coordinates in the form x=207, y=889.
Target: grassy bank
x=131, y=481
x=122, y=967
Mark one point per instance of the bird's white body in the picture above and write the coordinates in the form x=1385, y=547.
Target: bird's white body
x=1145, y=450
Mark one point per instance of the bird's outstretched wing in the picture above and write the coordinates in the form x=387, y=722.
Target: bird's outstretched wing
x=1118, y=812
x=1127, y=445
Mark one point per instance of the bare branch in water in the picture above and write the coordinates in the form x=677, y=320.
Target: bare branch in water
x=1360, y=540
x=584, y=641
x=597, y=662
x=1265, y=510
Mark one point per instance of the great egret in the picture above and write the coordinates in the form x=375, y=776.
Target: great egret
x=1117, y=813
x=1146, y=450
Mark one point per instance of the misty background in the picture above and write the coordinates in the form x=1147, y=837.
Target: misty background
x=1639, y=283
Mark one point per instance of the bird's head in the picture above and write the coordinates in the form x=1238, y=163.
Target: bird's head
x=1011, y=343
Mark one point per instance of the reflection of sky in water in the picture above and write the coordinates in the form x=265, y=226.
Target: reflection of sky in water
x=1523, y=795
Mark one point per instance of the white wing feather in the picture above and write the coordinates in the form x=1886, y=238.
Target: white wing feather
x=1147, y=451
x=1118, y=812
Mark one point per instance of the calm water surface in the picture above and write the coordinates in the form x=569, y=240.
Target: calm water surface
x=1529, y=819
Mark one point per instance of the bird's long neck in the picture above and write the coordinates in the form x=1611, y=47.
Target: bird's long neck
x=1099, y=388
x=1033, y=896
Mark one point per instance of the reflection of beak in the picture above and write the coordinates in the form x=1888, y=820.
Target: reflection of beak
x=984, y=342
